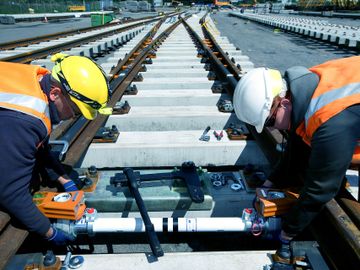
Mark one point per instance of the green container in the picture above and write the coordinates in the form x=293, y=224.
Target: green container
x=100, y=19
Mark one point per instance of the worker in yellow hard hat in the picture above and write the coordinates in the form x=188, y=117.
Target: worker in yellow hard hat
x=84, y=82
x=32, y=100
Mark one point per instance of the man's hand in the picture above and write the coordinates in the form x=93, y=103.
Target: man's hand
x=70, y=186
x=267, y=184
x=60, y=238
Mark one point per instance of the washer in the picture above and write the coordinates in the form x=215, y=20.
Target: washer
x=76, y=262
x=236, y=187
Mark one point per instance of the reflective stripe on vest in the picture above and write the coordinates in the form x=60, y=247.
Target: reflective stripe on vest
x=26, y=104
x=338, y=89
x=327, y=98
x=25, y=101
x=20, y=91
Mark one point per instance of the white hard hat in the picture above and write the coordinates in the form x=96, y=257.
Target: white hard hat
x=254, y=95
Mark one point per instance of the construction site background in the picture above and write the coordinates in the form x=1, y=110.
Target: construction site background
x=51, y=6
x=315, y=5
x=319, y=5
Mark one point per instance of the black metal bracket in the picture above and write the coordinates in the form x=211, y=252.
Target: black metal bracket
x=133, y=185
x=187, y=172
x=131, y=90
x=306, y=256
x=59, y=147
x=106, y=134
x=309, y=254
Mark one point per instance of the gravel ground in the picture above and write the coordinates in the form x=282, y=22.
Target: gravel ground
x=278, y=50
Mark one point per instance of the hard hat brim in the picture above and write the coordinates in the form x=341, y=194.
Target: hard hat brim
x=263, y=116
x=88, y=112
x=259, y=128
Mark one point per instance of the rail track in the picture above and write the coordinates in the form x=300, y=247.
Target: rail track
x=183, y=72
x=35, y=40
x=97, y=39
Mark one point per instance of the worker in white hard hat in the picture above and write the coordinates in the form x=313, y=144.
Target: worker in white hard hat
x=320, y=109
x=32, y=100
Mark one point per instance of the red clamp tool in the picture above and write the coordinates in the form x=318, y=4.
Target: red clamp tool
x=219, y=135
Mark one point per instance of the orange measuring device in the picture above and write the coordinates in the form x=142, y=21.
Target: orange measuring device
x=274, y=202
x=65, y=205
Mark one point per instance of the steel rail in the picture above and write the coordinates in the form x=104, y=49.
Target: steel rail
x=268, y=140
x=12, y=238
x=69, y=130
x=344, y=228
x=119, y=85
x=332, y=228
x=223, y=57
x=344, y=221
x=225, y=75
x=44, y=52
x=28, y=41
x=221, y=71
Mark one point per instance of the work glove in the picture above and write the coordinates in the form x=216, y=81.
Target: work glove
x=266, y=185
x=60, y=238
x=70, y=186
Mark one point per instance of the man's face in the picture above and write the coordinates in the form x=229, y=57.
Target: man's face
x=65, y=107
x=270, y=121
x=280, y=114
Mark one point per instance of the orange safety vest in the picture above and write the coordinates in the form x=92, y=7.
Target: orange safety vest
x=338, y=88
x=20, y=91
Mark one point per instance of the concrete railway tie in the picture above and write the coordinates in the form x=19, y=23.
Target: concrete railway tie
x=342, y=35
x=174, y=105
x=101, y=46
x=233, y=52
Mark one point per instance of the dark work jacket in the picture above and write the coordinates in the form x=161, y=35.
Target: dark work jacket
x=321, y=167
x=20, y=134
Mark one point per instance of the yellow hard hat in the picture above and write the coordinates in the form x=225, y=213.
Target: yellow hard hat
x=84, y=81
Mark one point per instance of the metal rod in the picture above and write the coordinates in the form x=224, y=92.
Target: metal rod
x=149, y=227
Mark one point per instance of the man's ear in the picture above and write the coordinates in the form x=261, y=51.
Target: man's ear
x=55, y=92
x=285, y=103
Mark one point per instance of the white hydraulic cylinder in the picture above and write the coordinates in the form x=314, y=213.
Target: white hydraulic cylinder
x=109, y=225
